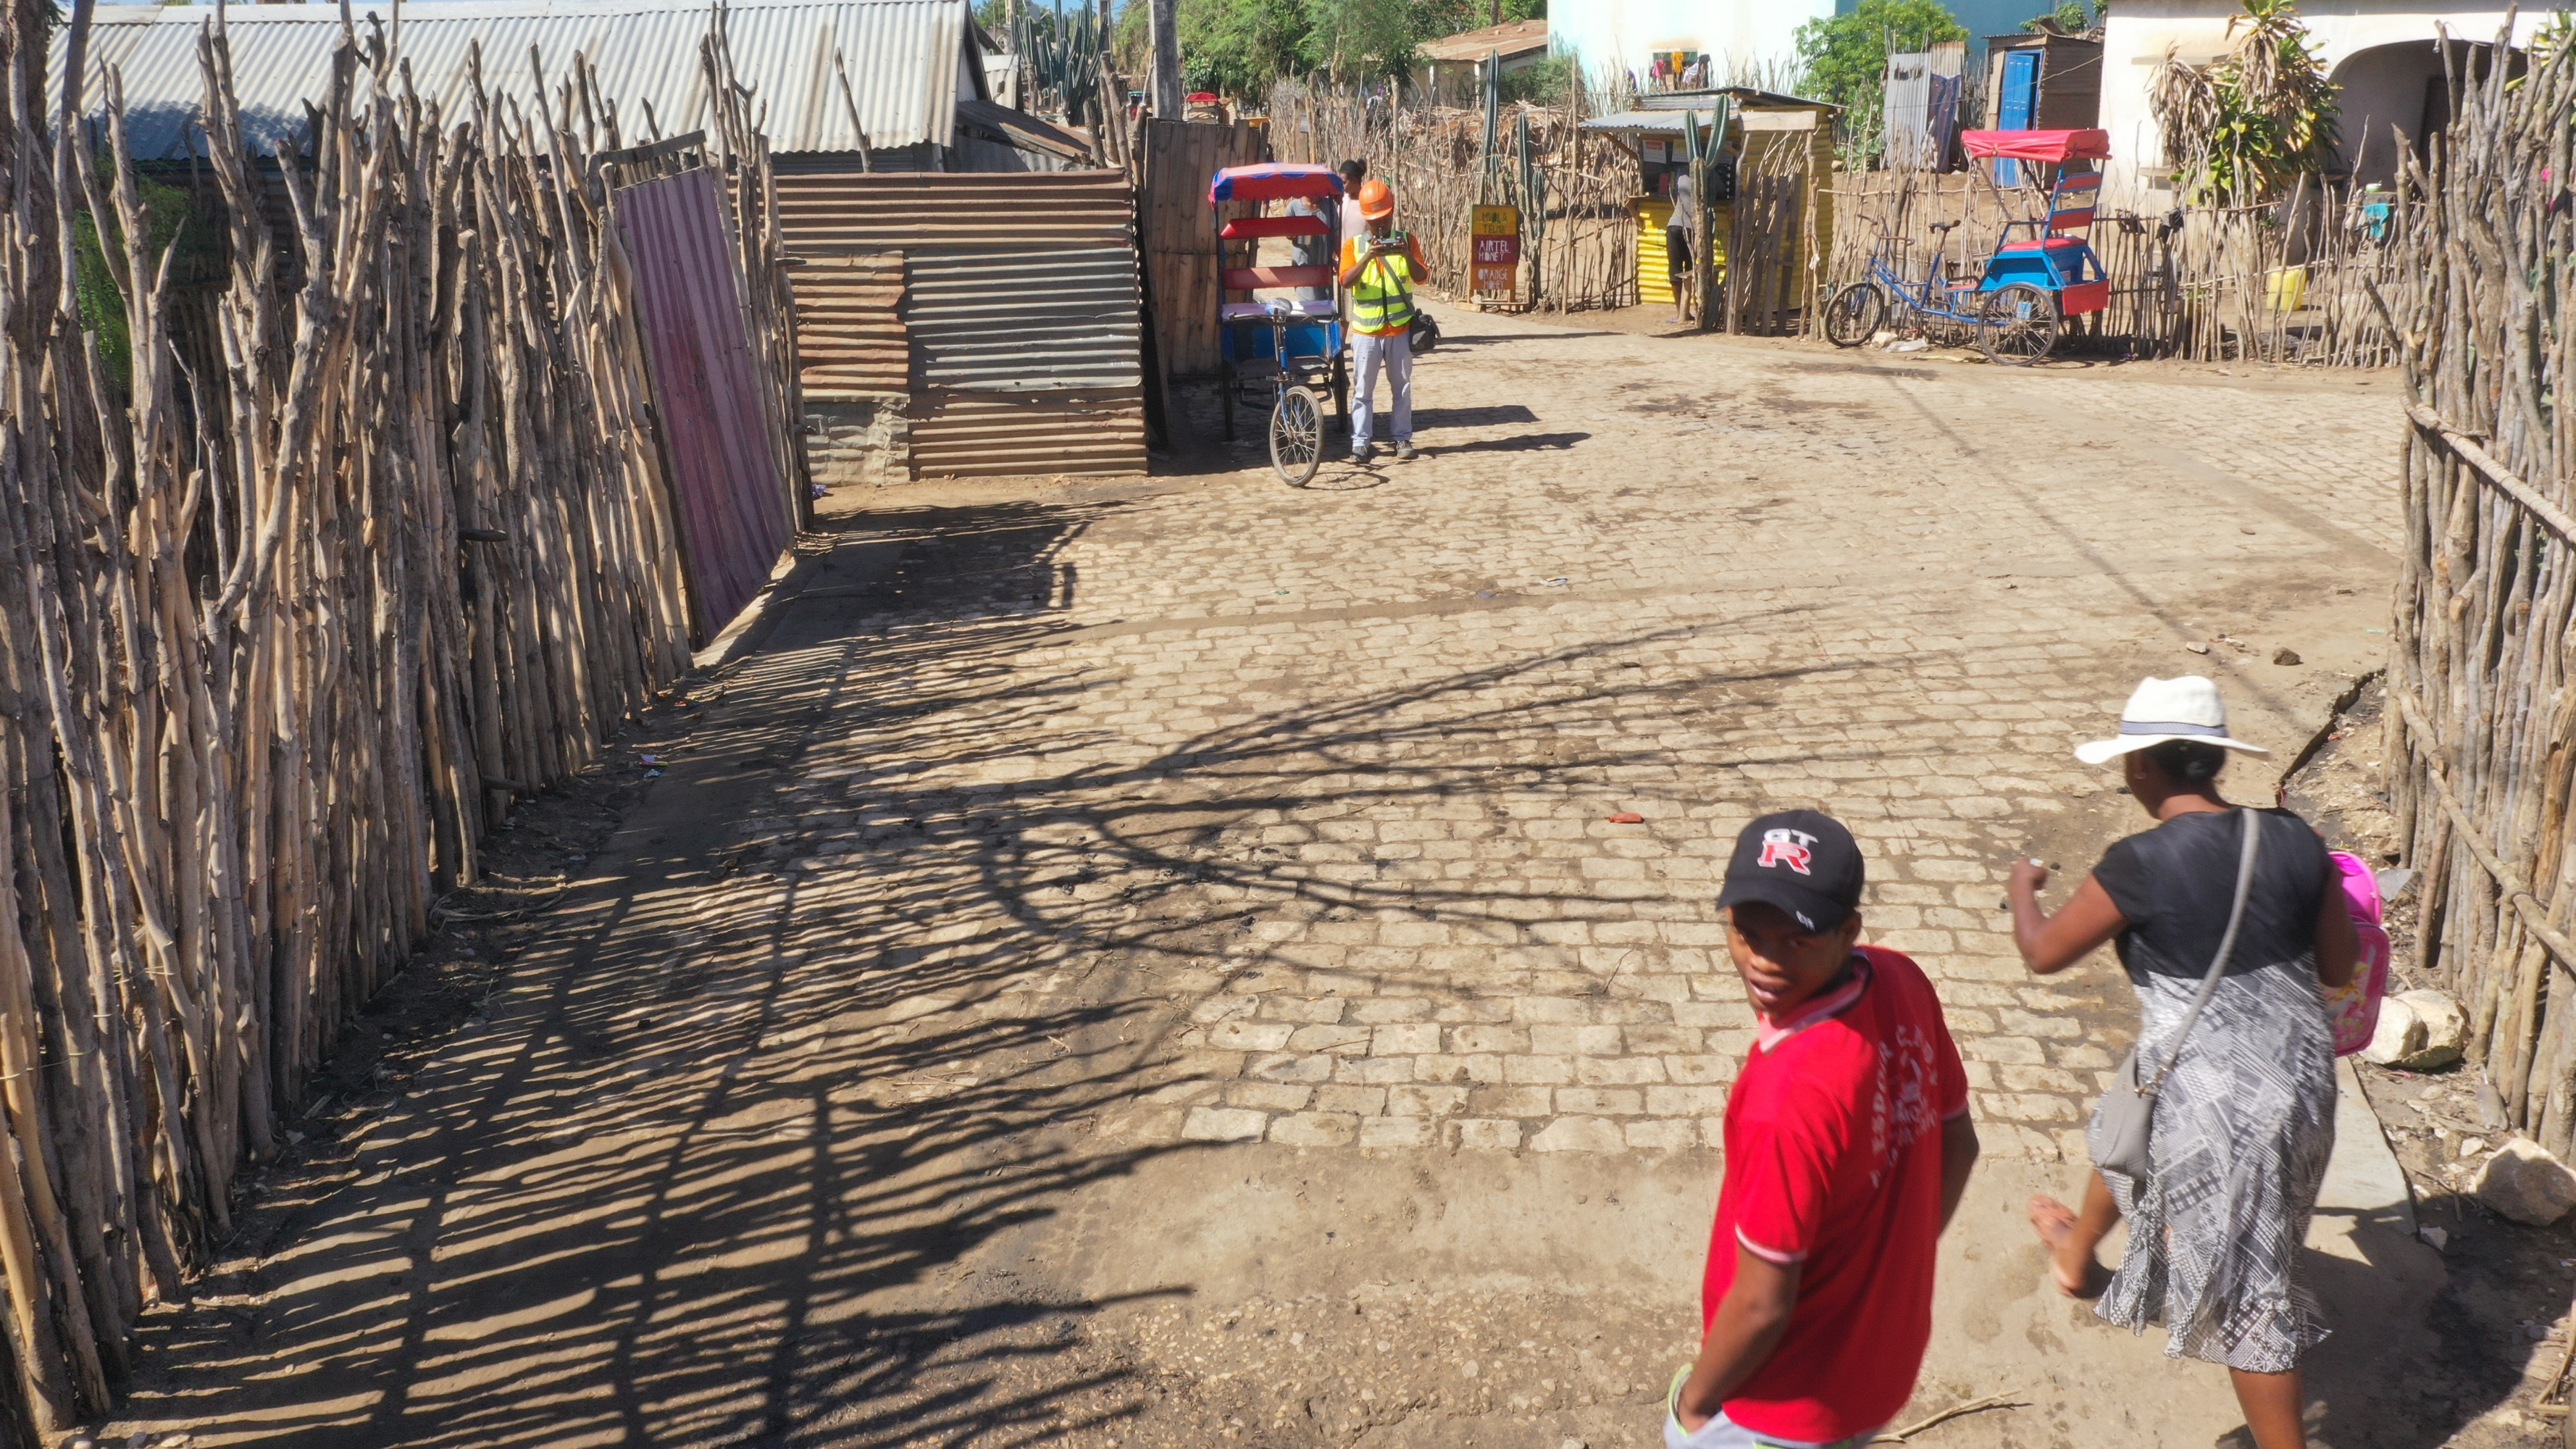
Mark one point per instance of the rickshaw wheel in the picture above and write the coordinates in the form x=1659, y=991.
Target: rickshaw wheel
x=2020, y=325
x=1852, y=317
x=1226, y=384
x=1297, y=435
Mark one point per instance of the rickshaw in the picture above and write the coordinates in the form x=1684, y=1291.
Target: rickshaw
x=1277, y=354
x=2027, y=288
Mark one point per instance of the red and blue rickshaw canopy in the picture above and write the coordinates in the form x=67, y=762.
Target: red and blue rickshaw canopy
x=2088, y=145
x=1272, y=181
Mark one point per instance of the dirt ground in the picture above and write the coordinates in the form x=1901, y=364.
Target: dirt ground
x=1148, y=962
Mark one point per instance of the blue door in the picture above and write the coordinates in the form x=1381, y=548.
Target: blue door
x=2021, y=92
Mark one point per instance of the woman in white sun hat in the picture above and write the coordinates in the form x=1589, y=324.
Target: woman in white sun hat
x=2243, y=1121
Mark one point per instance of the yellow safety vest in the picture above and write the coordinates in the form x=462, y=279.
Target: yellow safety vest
x=1382, y=298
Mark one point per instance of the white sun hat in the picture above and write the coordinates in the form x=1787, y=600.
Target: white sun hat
x=2168, y=709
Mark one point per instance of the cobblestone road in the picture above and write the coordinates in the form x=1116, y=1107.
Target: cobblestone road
x=1325, y=773
x=1149, y=963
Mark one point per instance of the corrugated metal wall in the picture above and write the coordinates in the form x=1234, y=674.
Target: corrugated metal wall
x=734, y=508
x=1020, y=310
x=850, y=339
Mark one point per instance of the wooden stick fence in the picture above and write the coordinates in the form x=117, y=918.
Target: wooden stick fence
x=2283, y=282
x=2482, y=732
x=1583, y=252
x=365, y=544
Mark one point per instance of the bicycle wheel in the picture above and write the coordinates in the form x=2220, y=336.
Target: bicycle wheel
x=1852, y=317
x=1296, y=435
x=2019, y=325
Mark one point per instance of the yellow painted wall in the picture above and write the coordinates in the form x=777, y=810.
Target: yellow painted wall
x=1654, y=272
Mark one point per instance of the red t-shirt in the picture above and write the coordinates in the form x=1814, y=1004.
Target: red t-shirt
x=1833, y=1160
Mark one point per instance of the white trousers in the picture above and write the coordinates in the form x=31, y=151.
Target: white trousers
x=1393, y=353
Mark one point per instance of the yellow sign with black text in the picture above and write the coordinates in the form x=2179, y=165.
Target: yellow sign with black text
x=1497, y=254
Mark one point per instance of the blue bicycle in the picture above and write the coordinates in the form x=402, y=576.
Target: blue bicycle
x=2014, y=324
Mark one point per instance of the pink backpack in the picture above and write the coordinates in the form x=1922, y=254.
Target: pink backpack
x=2353, y=1009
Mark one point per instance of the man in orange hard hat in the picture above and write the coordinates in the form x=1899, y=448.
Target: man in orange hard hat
x=1379, y=271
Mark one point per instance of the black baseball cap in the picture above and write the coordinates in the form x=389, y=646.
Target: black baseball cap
x=1802, y=861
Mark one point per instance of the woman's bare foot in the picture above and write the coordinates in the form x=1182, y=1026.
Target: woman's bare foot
x=2076, y=1278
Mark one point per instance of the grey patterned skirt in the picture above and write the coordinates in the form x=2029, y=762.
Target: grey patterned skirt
x=2243, y=1128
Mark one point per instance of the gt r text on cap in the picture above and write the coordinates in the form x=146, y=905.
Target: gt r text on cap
x=1802, y=861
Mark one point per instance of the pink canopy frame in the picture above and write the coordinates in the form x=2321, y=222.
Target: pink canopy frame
x=2056, y=146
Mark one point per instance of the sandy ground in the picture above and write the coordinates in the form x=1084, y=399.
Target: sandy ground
x=1145, y=962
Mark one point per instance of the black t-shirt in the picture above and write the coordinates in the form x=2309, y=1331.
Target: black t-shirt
x=2174, y=885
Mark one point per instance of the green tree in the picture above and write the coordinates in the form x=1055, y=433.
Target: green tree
x=1843, y=58
x=1371, y=39
x=1238, y=47
x=172, y=222
x=2069, y=18
x=2242, y=129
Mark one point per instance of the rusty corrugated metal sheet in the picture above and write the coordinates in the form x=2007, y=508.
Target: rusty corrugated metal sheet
x=881, y=213
x=1020, y=309
x=734, y=509
x=909, y=61
x=994, y=435
x=1059, y=319
x=850, y=337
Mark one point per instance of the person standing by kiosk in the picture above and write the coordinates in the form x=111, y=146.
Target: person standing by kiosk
x=1378, y=273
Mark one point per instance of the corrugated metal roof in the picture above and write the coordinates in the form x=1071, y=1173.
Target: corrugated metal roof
x=1704, y=99
x=1659, y=122
x=1516, y=38
x=909, y=61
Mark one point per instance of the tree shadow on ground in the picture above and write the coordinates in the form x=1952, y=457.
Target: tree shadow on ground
x=906, y=951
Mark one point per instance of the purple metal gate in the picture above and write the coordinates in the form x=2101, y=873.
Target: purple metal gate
x=733, y=506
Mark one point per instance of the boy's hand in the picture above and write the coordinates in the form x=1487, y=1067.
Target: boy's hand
x=2029, y=875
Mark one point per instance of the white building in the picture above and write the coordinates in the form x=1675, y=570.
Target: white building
x=1741, y=38
x=1749, y=42
x=2384, y=54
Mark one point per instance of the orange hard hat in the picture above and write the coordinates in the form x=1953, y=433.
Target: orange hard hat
x=1377, y=199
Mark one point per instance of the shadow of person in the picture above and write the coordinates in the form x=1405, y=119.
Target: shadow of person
x=2413, y=1360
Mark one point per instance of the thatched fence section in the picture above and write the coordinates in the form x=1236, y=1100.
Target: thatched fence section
x=2287, y=281
x=2482, y=732
x=367, y=540
x=1579, y=241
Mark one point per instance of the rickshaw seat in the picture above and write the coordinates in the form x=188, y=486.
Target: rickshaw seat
x=1246, y=226
x=1305, y=310
x=2042, y=244
x=1246, y=279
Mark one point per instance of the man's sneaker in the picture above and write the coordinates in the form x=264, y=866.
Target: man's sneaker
x=1362, y=452
x=1404, y=452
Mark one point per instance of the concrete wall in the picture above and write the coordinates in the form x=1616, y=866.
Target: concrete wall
x=1754, y=41
x=2346, y=32
x=1625, y=34
x=857, y=442
x=2385, y=88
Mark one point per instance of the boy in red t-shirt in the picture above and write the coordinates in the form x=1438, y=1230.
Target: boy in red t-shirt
x=1847, y=1148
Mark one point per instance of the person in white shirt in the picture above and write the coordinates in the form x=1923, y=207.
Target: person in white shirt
x=1353, y=224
